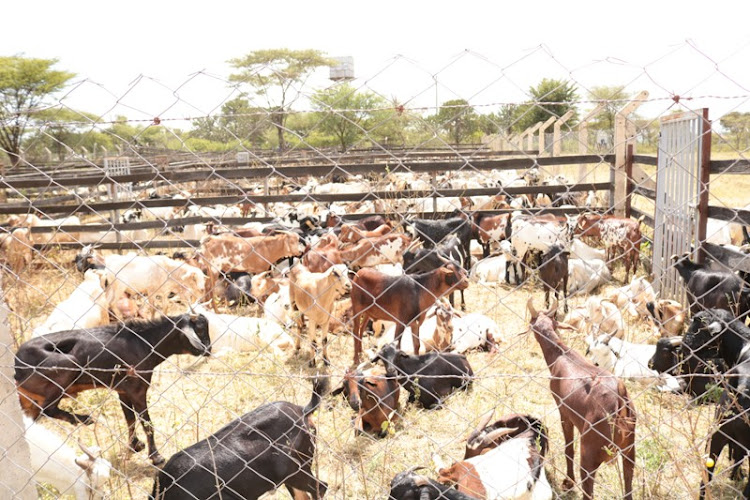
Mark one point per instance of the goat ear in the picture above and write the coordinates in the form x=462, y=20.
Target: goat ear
x=84, y=463
x=715, y=328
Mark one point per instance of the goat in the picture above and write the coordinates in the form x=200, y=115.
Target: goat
x=54, y=462
x=403, y=299
x=466, y=332
x=591, y=400
x=86, y=307
x=617, y=234
x=423, y=260
x=428, y=378
x=625, y=359
x=374, y=396
x=504, y=460
x=604, y=317
x=553, y=272
x=410, y=486
x=718, y=332
x=585, y=276
x=313, y=295
x=708, y=289
x=121, y=356
x=258, y=452
x=669, y=317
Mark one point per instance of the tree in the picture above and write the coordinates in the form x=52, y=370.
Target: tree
x=238, y=121
x=346, y=113
x=616, y=98
x=25, y=85
x=500, y=122
x=738, y=125
x=280, y=69
x=549, y=98
x=458, y=119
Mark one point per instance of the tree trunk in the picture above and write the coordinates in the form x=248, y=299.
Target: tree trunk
x=277, y=117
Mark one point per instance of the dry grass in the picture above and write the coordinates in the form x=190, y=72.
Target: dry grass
x=189, y=405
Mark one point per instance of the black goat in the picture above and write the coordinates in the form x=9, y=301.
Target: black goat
x=433, y=232
x=121, y=357
x=697, y=373
x=429, y=377
x=708, y=289
x=718, y=332
x=258, y=452
x=408, y=485
x=553, y=272
x=424, y=260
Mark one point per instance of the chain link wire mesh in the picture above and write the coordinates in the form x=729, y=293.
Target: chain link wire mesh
x=267, y=220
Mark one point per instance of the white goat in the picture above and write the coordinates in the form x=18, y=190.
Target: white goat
x=278, y=307
x=86, y=307
x=54, y=462
x=585, y=276
x=626, y=359
x=467, y=331
x=239, y=333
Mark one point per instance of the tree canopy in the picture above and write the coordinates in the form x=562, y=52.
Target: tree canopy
x=274, y=73
x=458, y=119
x=549, y=98
x=616, y=98
x=345, y=113
x=738, y=126
x=25, y=86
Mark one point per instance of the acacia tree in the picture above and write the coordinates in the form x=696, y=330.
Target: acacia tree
x=346, y=113
x=238, y=121
x=549, y=98
x=281, y=70
x=458, y=119
x=25, y=85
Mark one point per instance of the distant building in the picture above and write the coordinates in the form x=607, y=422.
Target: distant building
x=344, y=70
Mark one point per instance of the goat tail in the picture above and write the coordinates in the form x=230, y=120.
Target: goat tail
x=320, y=389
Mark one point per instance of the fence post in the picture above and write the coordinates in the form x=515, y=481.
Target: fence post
x=583, y=138
x=542, y=130
x=531, y=131
x=705, y=178
x=622, y=139
x=629, y=187
x=556, y=144
x=15, y=461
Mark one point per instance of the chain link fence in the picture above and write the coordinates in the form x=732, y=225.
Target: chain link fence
x=130, y=246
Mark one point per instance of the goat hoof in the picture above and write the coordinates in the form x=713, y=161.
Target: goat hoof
x=157, y=460
x=137, y=446
x=568, y=484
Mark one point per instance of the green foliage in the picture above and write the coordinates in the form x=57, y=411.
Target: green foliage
x=238, y=121
x=393, y=125
x=549, y=98
x=617, y=96
x=277, y=70
x=345, y=113
x=457, y=119
x=738, y=126
x=500, y=122
x=25, y=85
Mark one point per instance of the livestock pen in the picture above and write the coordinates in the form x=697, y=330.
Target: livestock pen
x=189, y=401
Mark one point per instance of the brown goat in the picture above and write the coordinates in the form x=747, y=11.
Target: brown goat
x=591, y=400
x=621, y=237
x=374, y=396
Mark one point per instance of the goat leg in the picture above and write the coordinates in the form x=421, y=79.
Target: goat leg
x=134, y=443
x=570, y=481
x=139, y=405
x=50, y=408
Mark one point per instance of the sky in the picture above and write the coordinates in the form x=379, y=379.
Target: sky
x=144, y=59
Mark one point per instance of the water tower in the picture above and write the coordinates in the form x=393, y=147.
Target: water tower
x=343, y=70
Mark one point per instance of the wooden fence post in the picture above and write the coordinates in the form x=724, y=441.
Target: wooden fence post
x=622, y=139
x=556, y=141
x=542, y=129
x=705, y=178
x=629, y=187
x=583, y=137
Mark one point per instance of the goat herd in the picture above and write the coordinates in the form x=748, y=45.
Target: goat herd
x=386, y=277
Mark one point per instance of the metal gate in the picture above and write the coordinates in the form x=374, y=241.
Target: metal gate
x=681, y=193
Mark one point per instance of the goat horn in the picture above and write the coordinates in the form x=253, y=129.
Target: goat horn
x=565, y=326
x=675, y=341
x=485, y=420
x=553, y=309
x=84, y=463
x=86, y=450
x=497, y=433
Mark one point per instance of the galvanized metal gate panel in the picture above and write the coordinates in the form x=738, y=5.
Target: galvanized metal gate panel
x=676, y=219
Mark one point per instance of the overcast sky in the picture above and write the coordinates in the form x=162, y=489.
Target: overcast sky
x=169, y=59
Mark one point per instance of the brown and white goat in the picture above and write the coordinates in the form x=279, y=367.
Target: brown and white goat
x=590, y=400
x=374, y=396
